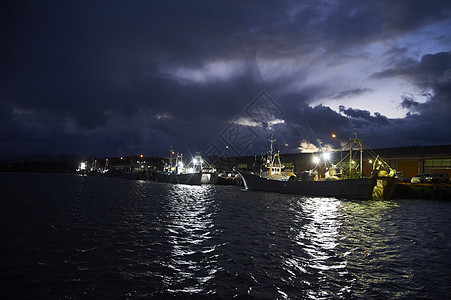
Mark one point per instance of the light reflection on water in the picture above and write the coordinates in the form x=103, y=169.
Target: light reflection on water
x=316, y=235
x=189, y=228
x=106, y=238
x=349, y=248
x=372, y=247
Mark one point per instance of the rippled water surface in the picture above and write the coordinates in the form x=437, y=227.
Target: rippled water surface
x=74, y=237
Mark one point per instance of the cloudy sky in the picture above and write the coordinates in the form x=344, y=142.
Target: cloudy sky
x=112, y=78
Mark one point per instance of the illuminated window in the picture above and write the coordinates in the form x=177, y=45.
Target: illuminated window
x=445, y=162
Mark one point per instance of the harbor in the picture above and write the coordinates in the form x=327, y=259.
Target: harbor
x=225, y=150
x=69, y=236
x=406, y=190
x=352, y=173
x=412, y=165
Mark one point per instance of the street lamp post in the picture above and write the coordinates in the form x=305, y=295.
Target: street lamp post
x=341, y=149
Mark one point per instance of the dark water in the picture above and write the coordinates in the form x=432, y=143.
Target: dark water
x=73, y=237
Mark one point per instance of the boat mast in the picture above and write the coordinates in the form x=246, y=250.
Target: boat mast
x=270, y=158
x=273, y=162
x=179, y=163
x=171, y=156
x=272, y=142
x=352, y=142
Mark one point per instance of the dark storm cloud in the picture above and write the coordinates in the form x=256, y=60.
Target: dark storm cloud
x=428, y=121
x=432, y=74
x=364, y=115
x=316, y=124
x=115, y=77
x=403, y=16
x=409, y=103
x=431, y=71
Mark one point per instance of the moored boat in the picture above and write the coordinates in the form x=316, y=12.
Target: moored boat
x=338, y=181
x=358, y=188
x=229, y=178
x=175, y=171
x=190, y=178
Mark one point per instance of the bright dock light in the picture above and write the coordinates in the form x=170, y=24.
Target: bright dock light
x=326, y=156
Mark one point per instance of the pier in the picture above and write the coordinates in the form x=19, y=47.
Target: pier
x=422, y=191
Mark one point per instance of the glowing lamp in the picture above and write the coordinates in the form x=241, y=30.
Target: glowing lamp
x=326, y=155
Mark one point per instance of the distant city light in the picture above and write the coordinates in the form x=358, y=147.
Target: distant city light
x=334, y=135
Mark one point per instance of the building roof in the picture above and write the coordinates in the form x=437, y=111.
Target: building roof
x=415, y=151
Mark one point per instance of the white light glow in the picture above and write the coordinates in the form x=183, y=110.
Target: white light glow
x=326, y=156
x=212, y=71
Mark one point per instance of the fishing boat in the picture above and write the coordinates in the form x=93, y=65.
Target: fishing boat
x=175, y=171
x=338, y=181
x=229, y=178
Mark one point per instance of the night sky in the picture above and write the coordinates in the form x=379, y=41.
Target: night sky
x=115, y=78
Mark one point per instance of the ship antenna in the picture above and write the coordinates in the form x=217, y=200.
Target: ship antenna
x=272, y=142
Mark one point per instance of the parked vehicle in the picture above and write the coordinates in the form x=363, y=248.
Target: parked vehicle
x=438, y=178
x=419, y=178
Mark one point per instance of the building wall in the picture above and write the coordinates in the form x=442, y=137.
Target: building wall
x=434, y=165
x=409, y=168
x=408, y=160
